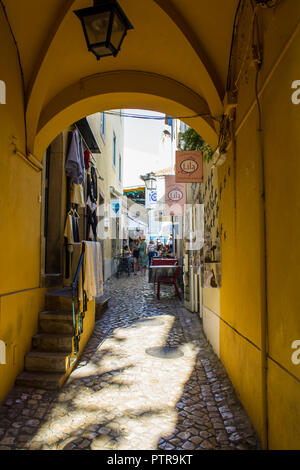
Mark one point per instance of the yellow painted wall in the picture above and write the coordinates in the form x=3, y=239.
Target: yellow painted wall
x=18, y=323
x=243, y=290
x=157, y=80
x=284, y=410
x=88, y=326
x=20, y=296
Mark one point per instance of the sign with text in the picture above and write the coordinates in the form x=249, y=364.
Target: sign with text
x=174, y=196
x=189, y=166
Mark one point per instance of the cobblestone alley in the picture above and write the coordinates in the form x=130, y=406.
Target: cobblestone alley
x=123, y=396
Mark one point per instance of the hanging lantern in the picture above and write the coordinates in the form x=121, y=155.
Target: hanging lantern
x=105, y=26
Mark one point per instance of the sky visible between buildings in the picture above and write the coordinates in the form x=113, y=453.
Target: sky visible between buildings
x=146, y=148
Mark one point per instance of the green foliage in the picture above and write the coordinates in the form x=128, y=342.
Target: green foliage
x=190, y=140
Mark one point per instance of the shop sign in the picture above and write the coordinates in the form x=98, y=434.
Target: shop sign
x=115, y=206
x=151, y=198
x=189, y=167
x=174, y=196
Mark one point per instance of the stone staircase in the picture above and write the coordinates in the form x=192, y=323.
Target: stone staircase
x=47, y=364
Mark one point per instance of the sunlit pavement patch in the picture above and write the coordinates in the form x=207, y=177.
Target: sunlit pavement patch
x=121, y=398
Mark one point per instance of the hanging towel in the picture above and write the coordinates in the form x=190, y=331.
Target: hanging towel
x=93, y=274
x=74, y=165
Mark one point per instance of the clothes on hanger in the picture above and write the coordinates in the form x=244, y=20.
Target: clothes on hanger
x=77, y=196
x=92, y=224
x=87, y=157
x=75, y=229
x=74, y=165
x=68, y=233
x=71, y=232
x=92, y=187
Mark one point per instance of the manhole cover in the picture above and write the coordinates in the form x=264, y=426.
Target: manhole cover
x=165, y=353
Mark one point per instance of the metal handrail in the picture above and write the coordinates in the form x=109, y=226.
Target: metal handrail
x=78, y=325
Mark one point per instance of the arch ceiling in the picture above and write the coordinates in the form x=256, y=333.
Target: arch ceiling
x=174, y=60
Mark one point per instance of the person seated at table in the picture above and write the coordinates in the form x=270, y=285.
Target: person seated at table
x=160, y=249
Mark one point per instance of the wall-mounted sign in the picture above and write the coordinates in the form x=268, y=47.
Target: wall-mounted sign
x=115, y=208
x=151, y=198
x=174, y=196
x=2, y=92
x=2, y=352
x=189, y=166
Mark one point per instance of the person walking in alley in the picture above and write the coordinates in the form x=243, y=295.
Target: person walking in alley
x=151, y=251
x=143, y=258
x=136, y=253
x=126, y=256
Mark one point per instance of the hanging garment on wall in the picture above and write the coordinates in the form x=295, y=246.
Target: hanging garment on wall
x=68, y=233
x=92, y=190
x=75, y=224
x=74, y=165
x=92, y=225
x=77, y=196
x=91, y=205
x=87, y=157
x=94, y=183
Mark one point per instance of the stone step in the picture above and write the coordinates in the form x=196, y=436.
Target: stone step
x=52, y=342
x=50, y=361
x=56, y=322
x=43, y=380
x=59, y=300
x=53, y=280
x=101, y=305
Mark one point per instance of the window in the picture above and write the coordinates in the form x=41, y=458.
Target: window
x=114, y=149
x=182, y=127
x=120, y=168
x=102, y=125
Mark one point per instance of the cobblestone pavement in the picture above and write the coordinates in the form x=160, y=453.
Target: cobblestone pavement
x=119, y=397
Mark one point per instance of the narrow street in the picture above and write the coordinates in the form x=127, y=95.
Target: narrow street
x=122, y=396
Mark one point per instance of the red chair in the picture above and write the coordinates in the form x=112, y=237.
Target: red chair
x=169, y=280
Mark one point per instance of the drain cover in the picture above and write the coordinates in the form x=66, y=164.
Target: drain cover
x=165, y=353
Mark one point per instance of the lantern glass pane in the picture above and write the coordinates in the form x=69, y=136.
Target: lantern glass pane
x=118, y=31
x=101, y=51
x=97, y=27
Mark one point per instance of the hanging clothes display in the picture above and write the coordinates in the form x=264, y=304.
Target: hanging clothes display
x=92, y=187
x=77, y=196
x=87, y=157
x=71, y=232
x=75, y=229
x=92, y=196
x=68, y=233
x=74, y=165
